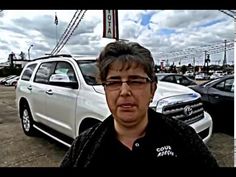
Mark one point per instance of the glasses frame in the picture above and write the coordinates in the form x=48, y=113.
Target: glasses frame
x=134, y=84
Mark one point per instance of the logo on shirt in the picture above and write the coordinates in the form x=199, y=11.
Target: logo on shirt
x=165, y=151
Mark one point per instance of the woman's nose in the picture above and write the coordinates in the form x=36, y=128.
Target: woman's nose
x=125, y=89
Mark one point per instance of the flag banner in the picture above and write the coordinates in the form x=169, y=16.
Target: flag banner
x=56, y=20
x=110, y=24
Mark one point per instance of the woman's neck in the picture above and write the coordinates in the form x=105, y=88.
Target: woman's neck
x=128, y=134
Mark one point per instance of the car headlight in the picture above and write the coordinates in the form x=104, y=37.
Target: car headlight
x=176, y=100
x=161, y=104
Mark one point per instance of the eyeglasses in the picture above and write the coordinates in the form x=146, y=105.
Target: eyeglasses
x=136, y=83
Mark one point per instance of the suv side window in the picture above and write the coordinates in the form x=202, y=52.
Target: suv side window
x=44, y=72
x=28, y=72
x=65, y=68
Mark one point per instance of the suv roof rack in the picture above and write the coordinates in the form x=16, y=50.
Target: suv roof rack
x=52, y=56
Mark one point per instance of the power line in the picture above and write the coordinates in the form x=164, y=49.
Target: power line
x=69, y=35
x=69, y=31
x=64, y=35
x=197, y=52
x=231, y=13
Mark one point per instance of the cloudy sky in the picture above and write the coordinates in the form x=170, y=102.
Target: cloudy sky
x=179, y=36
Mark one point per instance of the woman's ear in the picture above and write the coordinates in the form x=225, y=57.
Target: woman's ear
x=153, y=88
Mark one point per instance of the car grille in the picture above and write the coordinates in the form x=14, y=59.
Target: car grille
x=189, y=112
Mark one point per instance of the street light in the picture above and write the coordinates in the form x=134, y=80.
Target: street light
x=29, y=50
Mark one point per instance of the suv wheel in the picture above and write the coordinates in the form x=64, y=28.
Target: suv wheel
x=27, y=121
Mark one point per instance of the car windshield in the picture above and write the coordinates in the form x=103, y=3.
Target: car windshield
x=89, y=71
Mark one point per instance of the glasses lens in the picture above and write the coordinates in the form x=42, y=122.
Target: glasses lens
x=113, y=84
x=137, y=83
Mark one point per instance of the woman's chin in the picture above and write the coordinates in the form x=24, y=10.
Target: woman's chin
x=127, y=117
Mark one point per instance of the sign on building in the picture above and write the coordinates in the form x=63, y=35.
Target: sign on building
x=110, y=24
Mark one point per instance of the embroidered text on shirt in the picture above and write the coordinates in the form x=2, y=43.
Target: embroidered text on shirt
x=165, y=151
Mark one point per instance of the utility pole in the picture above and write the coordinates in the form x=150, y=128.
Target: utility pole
x=204, y=67
x=224, y=61
x=29, y=51
x=194, y=66
x=206, y=61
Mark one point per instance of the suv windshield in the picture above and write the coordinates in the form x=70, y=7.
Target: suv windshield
x=159, y=77
x=89, y=71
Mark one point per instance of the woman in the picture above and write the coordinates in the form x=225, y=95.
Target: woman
x=135, y=135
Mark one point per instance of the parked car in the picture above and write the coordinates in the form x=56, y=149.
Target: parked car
x=175, y=78
x=217, y=74
x=189, y=74
x=61, y=97
x=12, y=82
x=202, y=76
x=218, y=99
x=3, y=80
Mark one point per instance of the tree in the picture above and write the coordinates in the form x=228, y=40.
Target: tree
x=183, y=69
x=11, y=57
x=207, y=61
x=22, y=55
x=173, y=68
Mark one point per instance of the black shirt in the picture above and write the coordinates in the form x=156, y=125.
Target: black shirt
x=167, y=143
x=160, y=147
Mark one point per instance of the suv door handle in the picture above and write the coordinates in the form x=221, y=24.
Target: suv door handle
x=29, y=87
x=215, y=96
x=49, y=92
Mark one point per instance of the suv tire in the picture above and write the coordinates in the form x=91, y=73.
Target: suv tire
x=27, y=120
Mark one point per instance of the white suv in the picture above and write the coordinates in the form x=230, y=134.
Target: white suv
x=60, y=96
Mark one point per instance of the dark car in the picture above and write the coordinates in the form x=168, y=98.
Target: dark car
x=175, y=78
x=218, y=100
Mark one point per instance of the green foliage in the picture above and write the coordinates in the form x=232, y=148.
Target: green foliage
x=183, y=68
x=6, y=71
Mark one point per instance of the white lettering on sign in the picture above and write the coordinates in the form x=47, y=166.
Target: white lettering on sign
x=110, y=24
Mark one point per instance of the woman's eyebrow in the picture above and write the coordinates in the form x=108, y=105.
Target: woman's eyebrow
x=135, y=76
x=114, y=77
x=129, y=77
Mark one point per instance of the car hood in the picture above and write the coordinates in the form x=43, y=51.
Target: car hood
x=167, y=89
x=164, y=90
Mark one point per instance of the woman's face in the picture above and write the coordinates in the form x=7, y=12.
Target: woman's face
x=128, y=102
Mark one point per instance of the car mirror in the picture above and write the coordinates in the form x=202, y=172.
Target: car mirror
x=59, y=78
x=62, y=80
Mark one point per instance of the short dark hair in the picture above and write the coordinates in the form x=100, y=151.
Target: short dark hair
x=125, y=53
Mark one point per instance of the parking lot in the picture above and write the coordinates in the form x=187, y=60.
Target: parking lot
x=19, y=150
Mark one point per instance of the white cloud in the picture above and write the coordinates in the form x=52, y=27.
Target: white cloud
x=166, y=31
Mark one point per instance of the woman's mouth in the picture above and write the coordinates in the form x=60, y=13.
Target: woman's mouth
x=126, y=106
